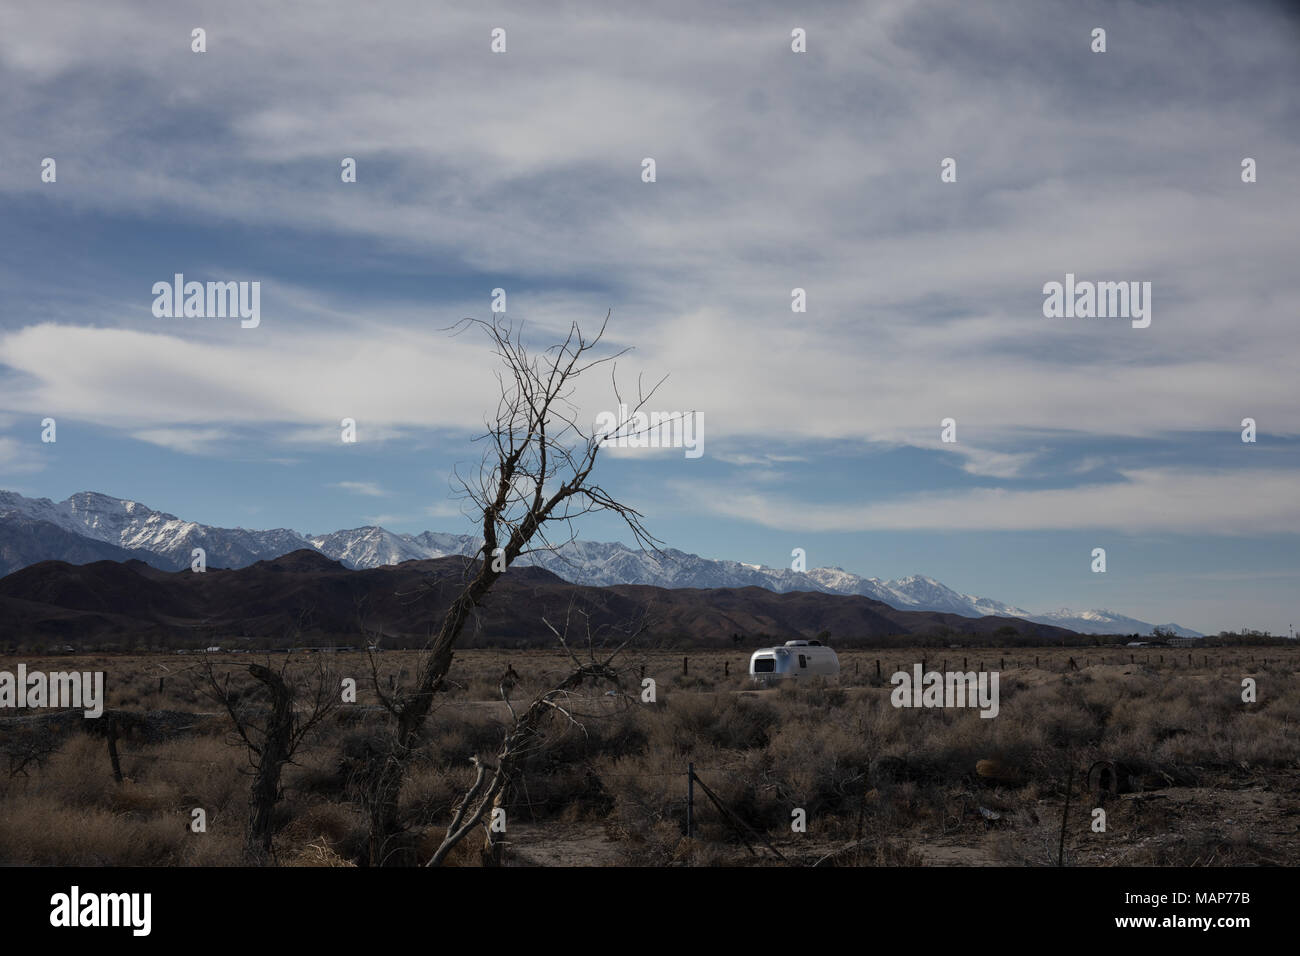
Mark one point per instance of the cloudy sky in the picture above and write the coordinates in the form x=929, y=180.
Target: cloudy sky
x=775, y=170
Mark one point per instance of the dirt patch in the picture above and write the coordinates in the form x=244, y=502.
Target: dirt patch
x=562, y=844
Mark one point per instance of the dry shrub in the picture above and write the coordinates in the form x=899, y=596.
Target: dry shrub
x=465, y=853
x=319, y=853
x=34, y=833
x=692, y=723
x=1201, y=848
x=322, y=834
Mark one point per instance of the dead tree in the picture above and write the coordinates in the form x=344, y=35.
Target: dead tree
x=491, y=783
x=272, y=734
x=535, y=477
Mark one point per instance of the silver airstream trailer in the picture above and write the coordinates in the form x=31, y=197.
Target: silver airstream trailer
x=794, y=659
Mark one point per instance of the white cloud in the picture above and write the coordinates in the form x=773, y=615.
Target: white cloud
x=20, y=457
x=775, y=171
x=1146, y=500
x=368, y=488
x=992, y=464
x=191, y=440
x=446, y=509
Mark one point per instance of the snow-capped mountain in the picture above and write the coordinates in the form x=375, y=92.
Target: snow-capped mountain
x=168, y=541
x=913, y=593
x=163, y=539
x=371, y=547
x=1106, y=622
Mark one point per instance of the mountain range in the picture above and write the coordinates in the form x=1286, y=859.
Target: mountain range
x=89, y=526
x=305, y=597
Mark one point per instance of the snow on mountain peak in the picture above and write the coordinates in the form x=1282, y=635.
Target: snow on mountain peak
x=129, y=524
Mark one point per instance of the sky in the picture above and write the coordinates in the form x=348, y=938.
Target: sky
x=774, y=170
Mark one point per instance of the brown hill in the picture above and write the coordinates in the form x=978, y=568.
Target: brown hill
x=306, y=598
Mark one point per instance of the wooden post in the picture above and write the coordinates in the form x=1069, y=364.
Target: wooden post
x=643, y=672
x=877, y=668
x=160, y=684
x=963, y=664
x=726, y=668
x=1002, y=664
x=685, y=662
x=855, y=667
x=1065, y=814
x=690, y=799
x=112, y=749
x=1035, y=660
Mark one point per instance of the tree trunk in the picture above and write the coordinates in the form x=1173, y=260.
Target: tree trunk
x=385, y=787
x=275, y=752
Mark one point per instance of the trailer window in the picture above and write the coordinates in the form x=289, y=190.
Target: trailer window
x=764, y=665
x=803, y=661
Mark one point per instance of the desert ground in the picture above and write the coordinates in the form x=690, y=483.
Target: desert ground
x=1159, y=738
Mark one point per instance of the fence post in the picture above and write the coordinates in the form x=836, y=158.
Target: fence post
x=690, y=799
x=877, y=668
x=684, y=665
x=1065, y=813
x=111, y=733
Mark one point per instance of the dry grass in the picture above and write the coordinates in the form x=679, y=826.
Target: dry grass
x=879, y=785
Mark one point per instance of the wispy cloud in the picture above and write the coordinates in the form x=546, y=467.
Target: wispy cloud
x=1164, y=500
x=368, y=488
x=196, y=440
x=20, y=457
